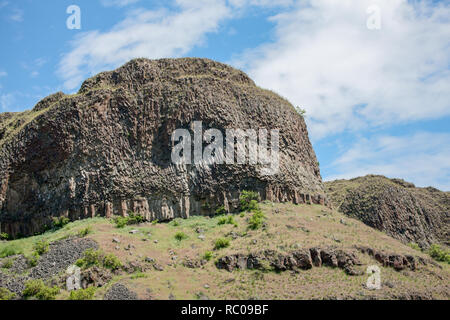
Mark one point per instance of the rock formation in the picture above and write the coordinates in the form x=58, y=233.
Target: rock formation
x=397, y=207
x=107, y=149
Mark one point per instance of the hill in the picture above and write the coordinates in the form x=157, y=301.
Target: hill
x=299, y=252
x=108, y=149
x=397, y=207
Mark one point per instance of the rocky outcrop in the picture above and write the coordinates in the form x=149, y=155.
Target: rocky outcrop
x=120, y=292
x=299, y=259
x=394, y=260
x=107, y=149
x=305, y=259
x=397, y=207
x=95, y=277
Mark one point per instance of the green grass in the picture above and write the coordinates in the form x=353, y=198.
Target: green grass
x=90, y=258
x=85, y=231
x=26, y=245
x=110, y=261
x=38, y=290
x=249, y=200
x=5, y=294
x=221, y=210
x=439, y=254
x=139, y=275
x=133, y=218
x=179, y=236
x=10, y=249
x=82, y=294
x=97, y=258
x=227, y=220
x=4, y=236
x=60, y=222
x=41, y=247
x=8, y=263
x=414, y=246
x=208, y=255
x=221, y=243
x=257, y=219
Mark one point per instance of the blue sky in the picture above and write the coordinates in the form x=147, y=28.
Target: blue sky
x=377, y=99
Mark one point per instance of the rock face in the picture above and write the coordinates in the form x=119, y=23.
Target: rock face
x=107, y=150
x=300, y=259
x=407, y=213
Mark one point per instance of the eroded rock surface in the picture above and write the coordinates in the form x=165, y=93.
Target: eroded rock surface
x=299, y=259
x=107, y=150
x=397, y=207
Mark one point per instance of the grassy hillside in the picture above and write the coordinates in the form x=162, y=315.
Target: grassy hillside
x=156, y=257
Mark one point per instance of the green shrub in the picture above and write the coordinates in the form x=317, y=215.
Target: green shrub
x=249, y=200
x=256, y=221
x=221, y=243
x=222, y=221
x=134, y=218
x=439, y=254
x=84, y=232
x=154, y=222
x=206, y=206
x=98, y=258
x=5, y=294
x=37, y=289
x=8, y=263
x=4, y=236
x=41, y=247
x=414, y=246
x=60, y=222
x=121, y=222
x=10, y=250
x=90, y=258
x=175, y=223
x=82, y=294
x=180, y=236
x=110, y=261
x=301, y=111
x=227, y=220
x=33, y=259
x=221, y=211
x=208, y=255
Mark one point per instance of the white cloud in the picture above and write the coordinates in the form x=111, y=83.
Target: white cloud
x=260, y=3
x=17, y=15
x=144, y=33
x=348, y=77
x=6, y=101
x=3, y=74
x=423, y=158
x=117, y=3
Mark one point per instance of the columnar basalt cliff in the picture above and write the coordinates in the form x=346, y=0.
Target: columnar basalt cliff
x=397, y=207
x=107, y=150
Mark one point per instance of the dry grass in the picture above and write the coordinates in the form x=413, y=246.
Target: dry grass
x=287, y=225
